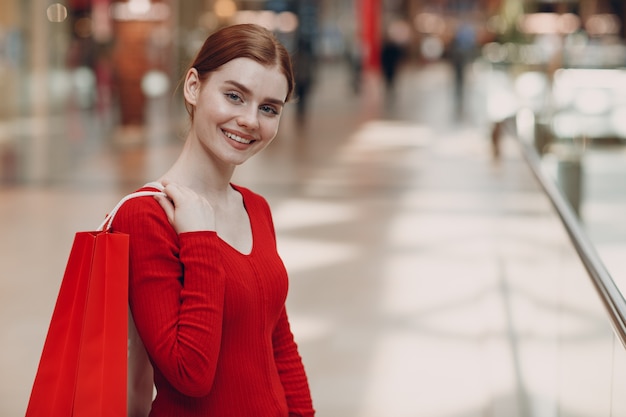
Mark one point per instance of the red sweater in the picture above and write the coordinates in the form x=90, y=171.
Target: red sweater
x=212, y=319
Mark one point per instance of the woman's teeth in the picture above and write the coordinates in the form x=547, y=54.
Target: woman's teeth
x=237, y=138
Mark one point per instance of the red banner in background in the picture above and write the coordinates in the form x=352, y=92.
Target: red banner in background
x=80, y=5
x=370, y=33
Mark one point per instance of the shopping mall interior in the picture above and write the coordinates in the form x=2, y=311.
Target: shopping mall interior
x=447, y=187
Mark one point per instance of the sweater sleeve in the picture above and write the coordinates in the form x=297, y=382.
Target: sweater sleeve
x=176, y=295
x=291, y=370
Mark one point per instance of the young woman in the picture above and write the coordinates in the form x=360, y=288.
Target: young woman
x=207, y=287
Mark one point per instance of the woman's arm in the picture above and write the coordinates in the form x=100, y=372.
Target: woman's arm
x=291, y=370
x=176, y=294
x=140, y=375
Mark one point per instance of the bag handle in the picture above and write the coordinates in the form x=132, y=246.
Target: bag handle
x=108, y=220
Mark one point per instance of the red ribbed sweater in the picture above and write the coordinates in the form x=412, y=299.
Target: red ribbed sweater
x=212, y=319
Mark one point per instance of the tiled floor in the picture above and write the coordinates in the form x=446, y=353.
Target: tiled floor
x=396, y=226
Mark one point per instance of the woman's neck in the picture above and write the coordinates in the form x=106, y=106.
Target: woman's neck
x=195, y=169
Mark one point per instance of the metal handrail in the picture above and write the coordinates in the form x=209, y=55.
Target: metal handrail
x=610, y=295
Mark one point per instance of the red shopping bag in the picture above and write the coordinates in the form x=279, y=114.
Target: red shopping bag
x=83, y=367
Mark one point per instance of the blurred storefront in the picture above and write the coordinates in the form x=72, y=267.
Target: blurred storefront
x=80, y=73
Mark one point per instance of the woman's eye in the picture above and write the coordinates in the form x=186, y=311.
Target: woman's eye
x=269, y=110
x=233, y=96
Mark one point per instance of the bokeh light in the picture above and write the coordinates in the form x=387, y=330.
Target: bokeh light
x=155, y=84
x=56, y=13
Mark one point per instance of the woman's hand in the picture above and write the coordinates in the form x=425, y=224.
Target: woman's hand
x=185, y=209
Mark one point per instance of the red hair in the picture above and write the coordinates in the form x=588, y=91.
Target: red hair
x=243, y=41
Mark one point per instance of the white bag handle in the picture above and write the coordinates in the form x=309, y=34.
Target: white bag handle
x=108, y=220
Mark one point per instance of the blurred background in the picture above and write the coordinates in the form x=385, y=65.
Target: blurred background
x=87, y=73
x=432, y=271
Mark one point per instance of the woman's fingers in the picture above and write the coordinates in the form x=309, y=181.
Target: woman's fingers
x=167, y=205
x=186, y=210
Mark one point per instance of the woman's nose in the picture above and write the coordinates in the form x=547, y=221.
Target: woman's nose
x=248, y=118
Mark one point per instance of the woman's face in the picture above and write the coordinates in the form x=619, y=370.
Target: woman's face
x=236, y=108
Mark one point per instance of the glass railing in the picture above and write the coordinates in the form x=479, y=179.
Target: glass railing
x=609, y=293
x=571, y=332
x=569, y=328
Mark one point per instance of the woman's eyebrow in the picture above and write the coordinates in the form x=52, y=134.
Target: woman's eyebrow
x=246, y=90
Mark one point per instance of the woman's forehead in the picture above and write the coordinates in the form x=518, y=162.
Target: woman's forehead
x=254, y=76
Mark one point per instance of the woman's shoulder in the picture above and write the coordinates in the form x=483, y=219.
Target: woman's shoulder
x=142, y=211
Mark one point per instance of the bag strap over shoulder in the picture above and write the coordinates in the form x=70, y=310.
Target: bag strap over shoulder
x=108, y=220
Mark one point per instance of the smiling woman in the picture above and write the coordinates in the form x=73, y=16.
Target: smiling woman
x=237, y=111
x=248, y=41
x=207, y=286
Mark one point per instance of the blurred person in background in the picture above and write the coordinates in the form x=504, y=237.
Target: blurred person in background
x=355, y=54
x=391, y=55
x=304, y=68
x=207, y=286
x=393, y=51
x=462, y=52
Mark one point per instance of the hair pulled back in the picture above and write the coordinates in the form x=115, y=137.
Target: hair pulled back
x=243, y=41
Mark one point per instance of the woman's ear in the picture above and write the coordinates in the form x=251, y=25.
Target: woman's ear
x=191, y=88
